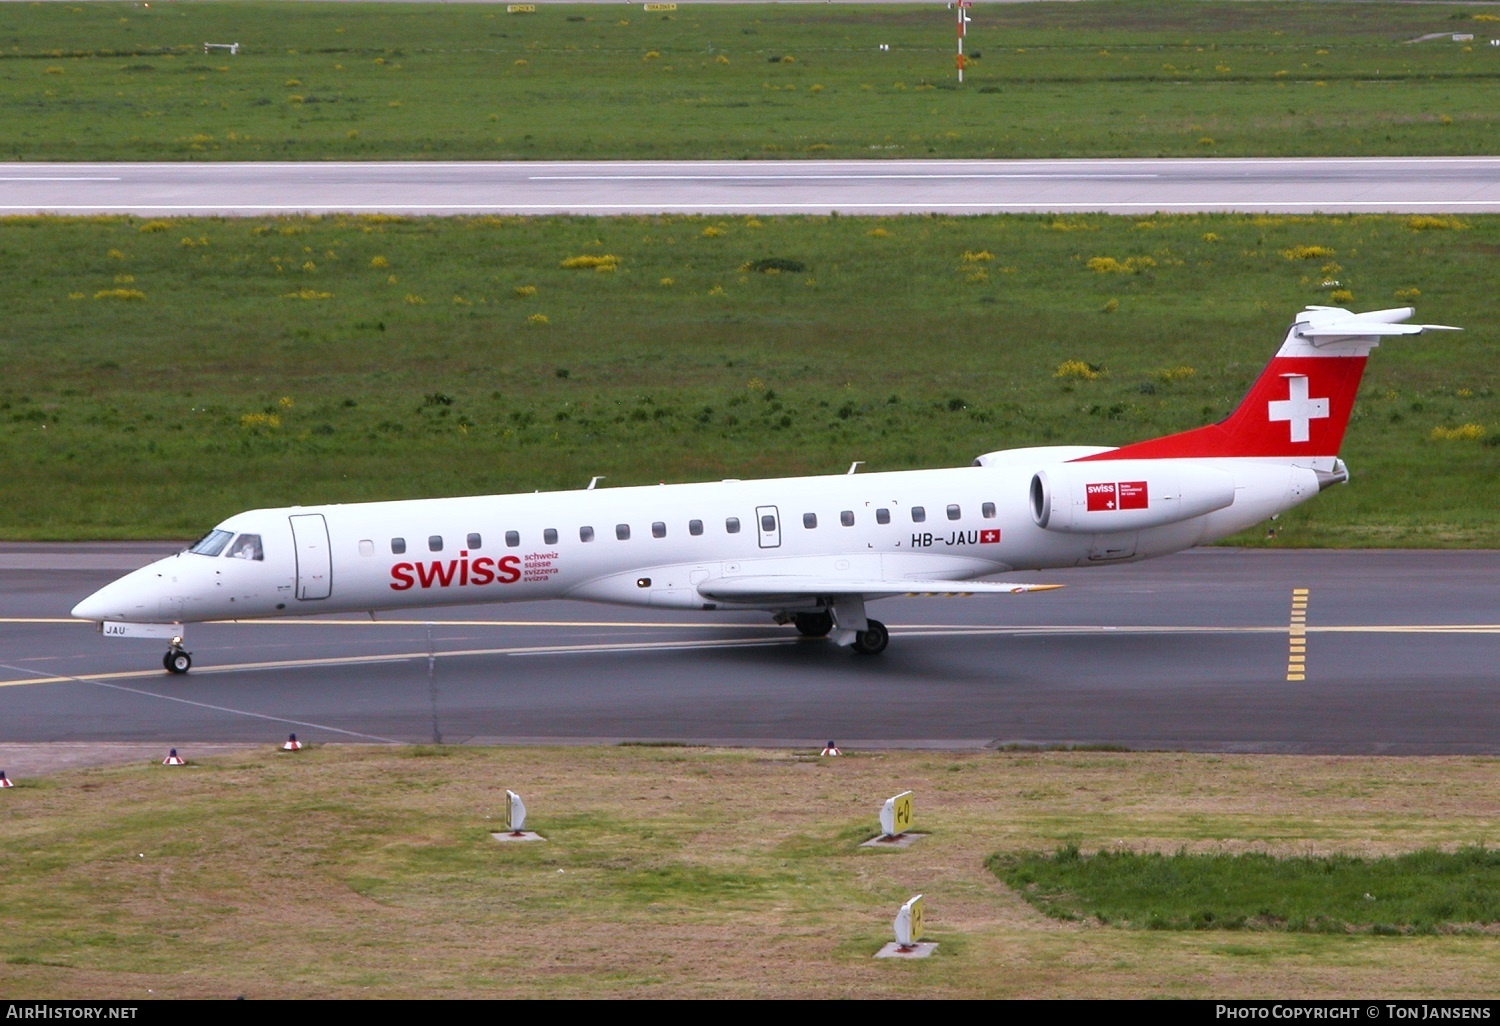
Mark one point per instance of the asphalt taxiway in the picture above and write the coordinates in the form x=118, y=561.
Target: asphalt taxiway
x=1200, y=651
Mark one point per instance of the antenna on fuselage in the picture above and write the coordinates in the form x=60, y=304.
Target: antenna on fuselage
x=595, y=480
x=855, y=466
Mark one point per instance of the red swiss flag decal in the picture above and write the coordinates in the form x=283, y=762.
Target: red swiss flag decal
x=990, y=537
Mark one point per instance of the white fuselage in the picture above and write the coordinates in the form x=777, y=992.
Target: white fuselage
x=666, y=545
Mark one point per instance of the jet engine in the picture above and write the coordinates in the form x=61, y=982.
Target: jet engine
x=1100, y=496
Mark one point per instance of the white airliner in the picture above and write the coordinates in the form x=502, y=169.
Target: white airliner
x=812, y=551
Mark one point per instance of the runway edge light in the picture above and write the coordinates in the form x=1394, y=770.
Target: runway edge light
x=291, y=744
x=831, y=749
x=4, y=780
x=173, y=759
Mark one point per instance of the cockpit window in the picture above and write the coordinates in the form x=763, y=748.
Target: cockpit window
x=246, y=546
x=212, y=543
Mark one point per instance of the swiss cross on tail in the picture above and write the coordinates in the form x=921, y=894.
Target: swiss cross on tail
x=1300, y=404
x=1299, y=409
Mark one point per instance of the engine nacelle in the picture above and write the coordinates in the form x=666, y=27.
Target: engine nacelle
x=1101, y=496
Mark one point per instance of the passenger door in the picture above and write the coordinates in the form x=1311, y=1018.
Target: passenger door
x=314, y=563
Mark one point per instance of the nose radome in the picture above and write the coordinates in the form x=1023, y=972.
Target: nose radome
x=101, y=605
x=122, y=599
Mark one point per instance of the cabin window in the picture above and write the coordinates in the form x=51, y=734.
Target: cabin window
x=987, y=510
x=695, y=527
x=550, y=536
x=622, y=532
x=435, y=543
x=768, y=523
x=882, y=516
x=212, y=543
x=366, y=547
x=658, y=530
x=512, y=538
x=586, y=534
x=847, y=518
x=246, y=546
x=398, y=545
x=475, y=542
x=954, y=513
x=919, y=514
x=732, y=525
x=809, y=521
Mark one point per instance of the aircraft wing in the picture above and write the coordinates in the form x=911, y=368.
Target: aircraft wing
x=791, y=587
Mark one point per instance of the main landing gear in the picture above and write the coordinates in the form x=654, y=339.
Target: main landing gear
x=813, y=625
x=870, y=641
x=873, y=639
x=177, y=659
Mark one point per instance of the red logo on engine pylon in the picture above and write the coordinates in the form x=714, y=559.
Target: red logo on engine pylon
x=1133, y=495
x=1112, y=495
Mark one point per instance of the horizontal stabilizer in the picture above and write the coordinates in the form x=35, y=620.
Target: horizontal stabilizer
x=789, y=587
x=1326, y=322
x=1359, y=329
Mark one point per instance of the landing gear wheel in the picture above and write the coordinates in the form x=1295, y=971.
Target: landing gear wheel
x=177, y=660
x=873, y=639
x=813, y=625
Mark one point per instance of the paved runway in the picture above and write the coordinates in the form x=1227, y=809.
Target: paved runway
x=1332, y=185
x=1188, y=652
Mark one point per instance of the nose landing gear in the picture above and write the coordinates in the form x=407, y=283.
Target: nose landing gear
x=177, y=659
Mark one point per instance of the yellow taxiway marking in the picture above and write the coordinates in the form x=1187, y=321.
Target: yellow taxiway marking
x=913, y=628
x=313, y=621
x=1296, y=660
x=398, y=657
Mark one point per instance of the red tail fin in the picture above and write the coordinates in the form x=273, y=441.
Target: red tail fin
x=1300, y=404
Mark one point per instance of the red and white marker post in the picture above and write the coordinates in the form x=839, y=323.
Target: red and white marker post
x=962, y=6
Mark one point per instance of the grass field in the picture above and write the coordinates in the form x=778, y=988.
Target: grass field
x=679, y=872
x=160, y=375
x=102, y=81
x=1427, y=891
